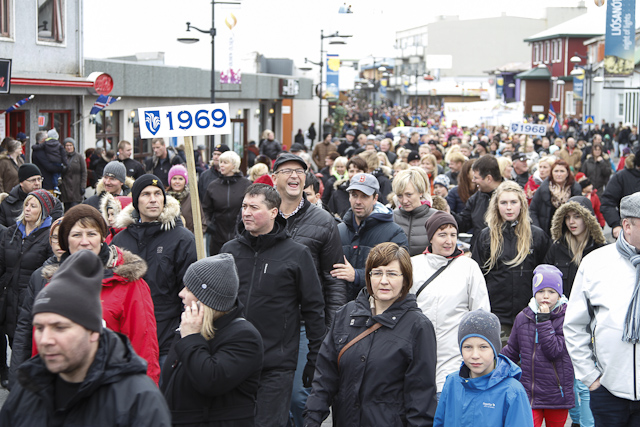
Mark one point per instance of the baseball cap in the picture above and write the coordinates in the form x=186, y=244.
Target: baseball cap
x=519, y=156
x=288, y=157
x=364, y=182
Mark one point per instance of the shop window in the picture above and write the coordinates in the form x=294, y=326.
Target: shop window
x=107, y=129
x=58, y=120
x=5, y=18
x=51, y=20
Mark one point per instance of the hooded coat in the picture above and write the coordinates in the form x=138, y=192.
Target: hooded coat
x=168, y=249
x=509, y=286
x=74, y=179
x=126, y=306
x=413, y=224
x=221, y=206
x=11, y=207
x=559, y=254
x=357, y=241
x=622, y=183
x=215, y=382
x=496, y=399
x=277, y=284
x=115, y=392
x=20, y=256
x=541, y=209
x=547, y=372
x=96, y=199
x=385, y=379
x=9, y=172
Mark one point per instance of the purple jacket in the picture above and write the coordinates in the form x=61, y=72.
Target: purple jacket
x=547, y=372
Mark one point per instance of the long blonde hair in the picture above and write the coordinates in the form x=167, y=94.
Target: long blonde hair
x=208, y=330
x=495, y=223
x=576, y=245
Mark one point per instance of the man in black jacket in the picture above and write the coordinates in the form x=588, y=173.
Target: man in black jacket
x=85, y=374
x=316, y=229
x=623, y=183
x=486, y=175
x=30, y=179
x=134, y=167
x=154, y=232
x=162, y=160
x=277, y=284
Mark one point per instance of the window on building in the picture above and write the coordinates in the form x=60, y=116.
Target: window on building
x=569, y=103
x=51, y=20
x=55, y=119
x=547, y=51
x=5, y=18
x=536, y=53
x=621, y=104
x=556, y=51
x=108, y=129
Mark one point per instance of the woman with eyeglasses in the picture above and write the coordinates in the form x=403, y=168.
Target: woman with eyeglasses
x=222, y=201
x=377, y=363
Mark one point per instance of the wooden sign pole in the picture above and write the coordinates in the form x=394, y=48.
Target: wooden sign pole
x=195, y=199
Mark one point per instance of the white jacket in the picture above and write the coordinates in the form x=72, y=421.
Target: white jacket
x=598, y=307
x=460, y=288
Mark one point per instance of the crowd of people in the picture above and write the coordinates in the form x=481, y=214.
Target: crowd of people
x=454, y=277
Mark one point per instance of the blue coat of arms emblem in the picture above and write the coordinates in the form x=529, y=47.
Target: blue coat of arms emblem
x=152, y=120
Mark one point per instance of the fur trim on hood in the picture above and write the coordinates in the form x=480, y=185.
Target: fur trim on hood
x=170, y=213
x=108, y=201
x=128, y=182
x=131, y=268
x=558, y=226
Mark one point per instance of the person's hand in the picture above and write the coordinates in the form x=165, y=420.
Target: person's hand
x=544, y=308
x=307, y=375
x=344, y=271
x=595, y=385
x=616, y=231
x=599, y=159
x=191, y=322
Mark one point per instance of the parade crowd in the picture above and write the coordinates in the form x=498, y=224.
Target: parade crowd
x=439, y=276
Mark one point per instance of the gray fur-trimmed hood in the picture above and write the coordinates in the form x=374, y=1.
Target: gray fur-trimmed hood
x=170, y=213
x=558, y=226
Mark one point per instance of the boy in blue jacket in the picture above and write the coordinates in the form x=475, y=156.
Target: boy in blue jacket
x=486, y=392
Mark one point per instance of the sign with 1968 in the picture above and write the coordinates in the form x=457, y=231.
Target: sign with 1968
x=184, y=120
x=528, y=129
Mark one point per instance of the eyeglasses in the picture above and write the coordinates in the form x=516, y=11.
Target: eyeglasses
x=35, y=179
x=289, y=172
x=379, y=274
x=54, y=239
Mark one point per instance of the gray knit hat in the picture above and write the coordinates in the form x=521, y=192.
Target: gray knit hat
x=214, y=281
x=481, y=324
x=630, y=206
x=117, y=170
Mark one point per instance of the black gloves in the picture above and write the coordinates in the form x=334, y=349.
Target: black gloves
x=542, y=317
x=307, y=375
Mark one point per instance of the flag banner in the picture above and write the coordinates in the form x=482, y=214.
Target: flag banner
x=499, y=86
x=553, y=120
x=578, y=87
x=333, y=76
x=231, y=75
x=102, y=102
x=19, y=104
x=620, y=38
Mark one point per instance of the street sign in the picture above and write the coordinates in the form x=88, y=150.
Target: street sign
x=185, y=120
x=528, y=129
x=589, y=120
x=5, y=76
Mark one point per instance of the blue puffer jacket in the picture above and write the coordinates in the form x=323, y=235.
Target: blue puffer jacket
x=377, y=228
x=547, y=371
x=495, y=399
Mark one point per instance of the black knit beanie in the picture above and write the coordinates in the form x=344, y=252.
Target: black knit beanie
x=72, y=216
x=214, y=281
x=27, y=170
x=481, y=324
x=74, y=291
x=143, y=182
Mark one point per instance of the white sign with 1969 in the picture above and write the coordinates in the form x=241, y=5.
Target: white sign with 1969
x=528, y=129
x=184, y=120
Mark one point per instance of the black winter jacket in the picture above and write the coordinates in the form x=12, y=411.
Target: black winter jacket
x=215, y=382
x=47, y=168
x=115, y=392
x=597, y=172
x=339, y=201
x=357, y=242
x=541, y=209
x=385, y=379
x=168, y=249
x=622, y=183
x=271, y=148
x=509, y=287
x=472, y=216
x=221, y=206
x=206, y=178
x=316, y=229
x=11, y=207
x=277, y=283
x=19, y=257
x=385, y=185
x=134, y=168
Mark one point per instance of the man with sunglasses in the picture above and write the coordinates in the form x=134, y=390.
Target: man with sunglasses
x=30, y=179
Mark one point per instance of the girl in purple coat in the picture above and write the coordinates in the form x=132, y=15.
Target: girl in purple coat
x=537, y=341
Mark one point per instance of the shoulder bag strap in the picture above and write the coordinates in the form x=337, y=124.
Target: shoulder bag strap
x=433, y=277
x=358, y=338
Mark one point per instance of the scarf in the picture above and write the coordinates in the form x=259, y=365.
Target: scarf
x=559, y=195
x=179, y=196
x=631, y=333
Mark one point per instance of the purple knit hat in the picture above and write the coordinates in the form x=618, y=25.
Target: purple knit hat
x=547, y=276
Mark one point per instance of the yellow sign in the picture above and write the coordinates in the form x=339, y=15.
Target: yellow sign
x=589, y=120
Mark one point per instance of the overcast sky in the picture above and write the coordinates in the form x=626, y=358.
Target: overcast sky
x=274, y=28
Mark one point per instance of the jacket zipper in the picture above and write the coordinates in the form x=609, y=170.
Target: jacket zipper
x=533, y=377
x=409, y=233
x=253, y=275
x=557, y=378
x=635, y=393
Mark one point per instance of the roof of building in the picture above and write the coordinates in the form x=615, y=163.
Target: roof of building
x=536, y=73
x=588, y=25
